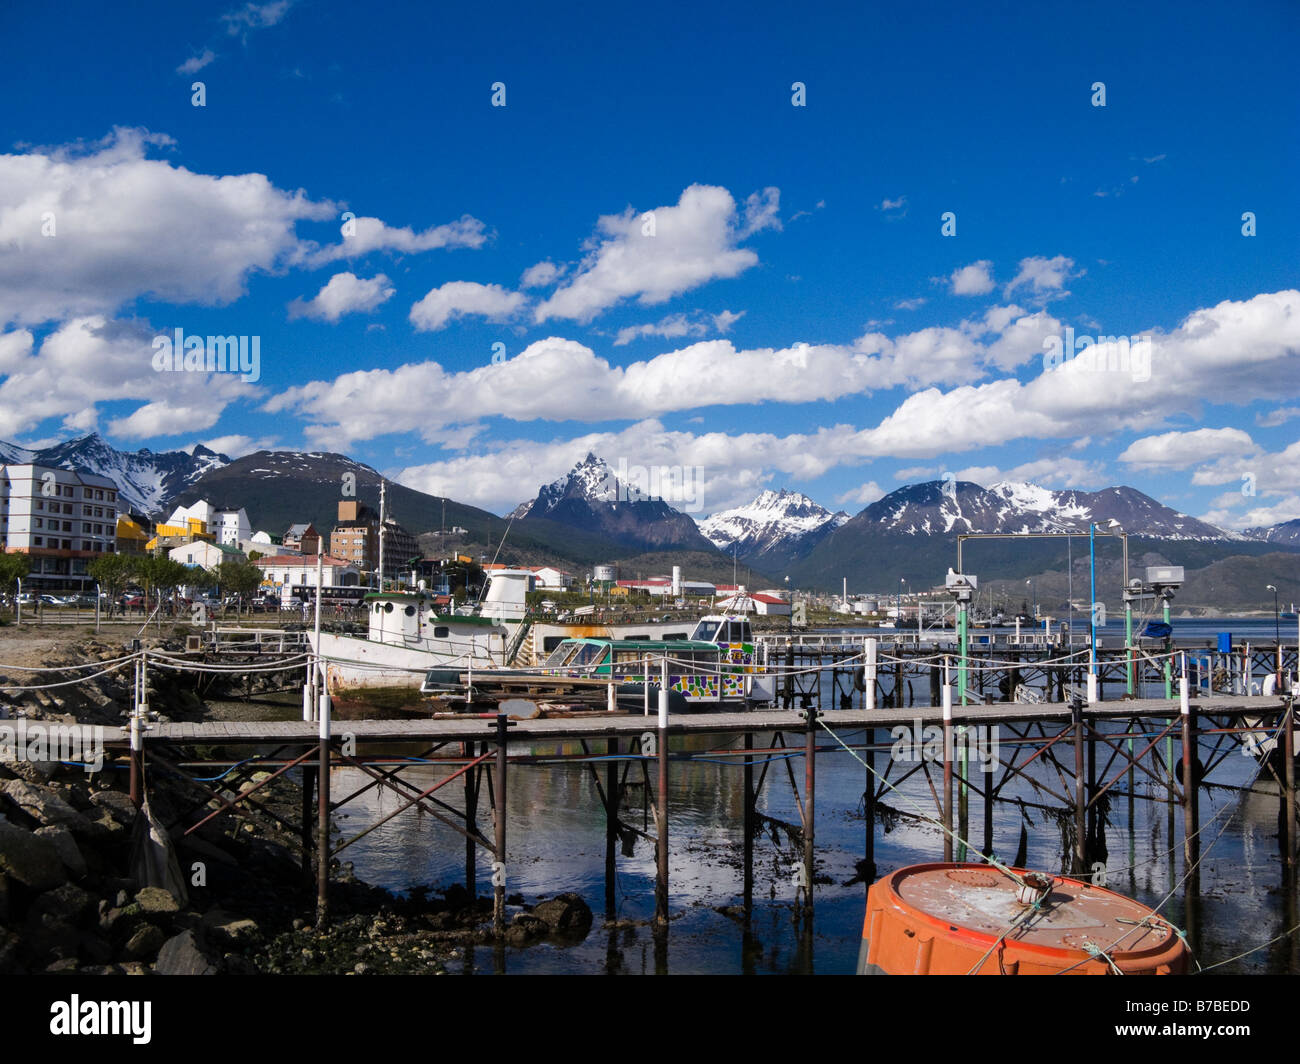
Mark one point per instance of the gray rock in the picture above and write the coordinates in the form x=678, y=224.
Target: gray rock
x=42, y=804
x=146, y=941
x=524, y=929
x=68, y=902
x=566, y=914
x=118, y=805
x=8, y=952
x=181, y=955
x=229, y=929
x=29, y=859
x=66, y=845
x=155, y=901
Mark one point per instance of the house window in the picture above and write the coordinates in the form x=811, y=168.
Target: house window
x=39, y=541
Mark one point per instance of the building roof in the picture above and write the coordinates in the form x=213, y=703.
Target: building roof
x=281, y=561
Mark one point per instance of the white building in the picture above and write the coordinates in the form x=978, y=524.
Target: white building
x=230, y=527
x=552, y=579
x=283, y=572
x=60, y=519
x=208, y=555
x=770, y=605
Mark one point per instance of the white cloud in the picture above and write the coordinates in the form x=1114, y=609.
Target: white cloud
x=344, y=293
x=197, y=62
x=910, y=304
x=1280, y=416
x=541, y=275
x=255, y=16
x=1178, y=450
x=864, y=495
x=559, y=379
x=127, y=226
x=1058, y=472
x=371, y=234
x=677, y=325
x=762, y=211
x=236, y=446
x=893, y=205
x=1044, y=276
x=972, y=280
x=499, y=479
x=694, y=242
x=1237, y=351
x=91, y=360
x=457, y=298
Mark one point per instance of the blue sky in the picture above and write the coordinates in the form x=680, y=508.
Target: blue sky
x=794, y=316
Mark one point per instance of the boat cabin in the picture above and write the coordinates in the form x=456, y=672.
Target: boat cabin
x=408, y=619
x=694, y=668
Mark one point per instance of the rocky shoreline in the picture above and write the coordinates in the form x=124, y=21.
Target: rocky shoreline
x=69, y=842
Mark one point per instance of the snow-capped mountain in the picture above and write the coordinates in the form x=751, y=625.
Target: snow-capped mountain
x=777, y=524
x=592, y=498
x=147, y=480
x=1287, y=532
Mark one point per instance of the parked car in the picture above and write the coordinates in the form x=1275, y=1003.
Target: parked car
x=292, y=603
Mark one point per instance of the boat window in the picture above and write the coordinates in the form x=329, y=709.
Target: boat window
x=377, y=607
x=388, y=607
x=410, y=611
x=560, y=654
x=705, y=631
x=675, y=635
x=588, y=655
x=441, y=632
x=746, y=635
x=629, y=657
x=635, y=638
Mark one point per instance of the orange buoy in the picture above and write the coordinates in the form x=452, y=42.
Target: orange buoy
x=959, y=919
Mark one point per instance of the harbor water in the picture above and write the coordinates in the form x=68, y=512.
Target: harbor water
x=557, y=844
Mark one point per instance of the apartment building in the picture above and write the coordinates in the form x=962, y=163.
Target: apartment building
x=60, y=518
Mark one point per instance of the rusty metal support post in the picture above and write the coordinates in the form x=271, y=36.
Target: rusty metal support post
x=947, y=764
x=661, y=818
x=809, y=804
x=499, y=865
x=308, y=785
x=1080, y=801
x=749, y=825
x=1191, y=785
x=323, y=826
x=869, y=805
x=471, y=822
x=1288, y=796
x=611, y=825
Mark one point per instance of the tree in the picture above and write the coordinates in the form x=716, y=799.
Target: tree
x=112, y=572
x=238, y=578
x=13, y=567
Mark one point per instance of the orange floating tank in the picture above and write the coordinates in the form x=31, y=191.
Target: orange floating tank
x=959, y=919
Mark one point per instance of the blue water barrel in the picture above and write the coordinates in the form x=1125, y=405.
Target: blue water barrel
x=1225, y=642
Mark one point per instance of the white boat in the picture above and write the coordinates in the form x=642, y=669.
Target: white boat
x=407, y=637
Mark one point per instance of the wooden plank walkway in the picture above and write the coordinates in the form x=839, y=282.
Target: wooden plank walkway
x=613, y=725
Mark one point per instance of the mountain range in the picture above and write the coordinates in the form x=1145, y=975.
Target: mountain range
x=589, y=516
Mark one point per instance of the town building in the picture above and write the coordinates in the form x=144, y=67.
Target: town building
x=302, y=539
x=205, y=554
x=283, y=572
x=60, y=519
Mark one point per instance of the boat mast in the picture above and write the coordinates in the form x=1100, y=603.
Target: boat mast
x=382, y=514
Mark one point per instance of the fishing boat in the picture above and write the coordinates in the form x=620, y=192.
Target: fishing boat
x=407, y=637
x=716, y=666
